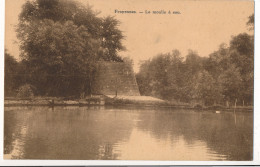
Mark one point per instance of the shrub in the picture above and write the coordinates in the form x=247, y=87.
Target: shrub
x=25, y=91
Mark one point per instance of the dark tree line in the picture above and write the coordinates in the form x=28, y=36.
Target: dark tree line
x=224, y=77
x=60, y=43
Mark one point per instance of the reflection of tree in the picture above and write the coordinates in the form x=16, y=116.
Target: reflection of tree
x=14, y=129
x=94, y=133
x=221, y=132
x=75, y=133
x=165, y=123
x=9, y=127
x=233, y=138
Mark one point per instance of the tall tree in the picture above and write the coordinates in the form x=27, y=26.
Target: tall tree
x=61, y=41
x=218, y=61
x=204, y=89
x=242, y=55
x=231, y=83
x=10, y=83
x=111, y=39
x=161, y=76
x=104, y=29
x=14, y=75
x=226, y=75
x=175, y=77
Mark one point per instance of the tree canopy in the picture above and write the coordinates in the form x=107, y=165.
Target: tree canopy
x=225, y=75
x=62, y=41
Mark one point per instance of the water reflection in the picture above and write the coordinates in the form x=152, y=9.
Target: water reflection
x=227, y=134
x=129, y=134
x=165, y=149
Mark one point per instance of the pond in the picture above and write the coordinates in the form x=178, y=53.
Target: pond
x=126, y=133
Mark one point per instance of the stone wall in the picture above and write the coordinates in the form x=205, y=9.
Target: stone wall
x=114, y=78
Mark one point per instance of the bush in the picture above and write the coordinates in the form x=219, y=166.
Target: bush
x=25, y=91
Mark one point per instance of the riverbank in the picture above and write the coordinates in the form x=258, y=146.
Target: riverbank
x=53, y=101
x=147, y=101
x=139, y=101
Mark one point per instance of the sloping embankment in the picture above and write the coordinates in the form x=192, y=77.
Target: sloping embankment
x=136, y=100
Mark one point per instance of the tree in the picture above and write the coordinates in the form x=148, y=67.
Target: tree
x=175, y=77
x=111, y=39
x=218, y=61
x=205, y=88
x=226, y=75
x=61, y=41
x=251, y=22
x=10, y=83
x=242, y=52
x=63, y=54
x=144, y=77
x=161, y=76
x=157, y=72
x=242, y=56
x=193, y=62
x=192, y=66
x=104, y=29
x=14, y=76
x=231, y=83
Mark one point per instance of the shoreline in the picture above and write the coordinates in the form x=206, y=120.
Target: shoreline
x=94, y=101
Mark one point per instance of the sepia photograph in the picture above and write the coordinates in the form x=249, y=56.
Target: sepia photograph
x=129, y=80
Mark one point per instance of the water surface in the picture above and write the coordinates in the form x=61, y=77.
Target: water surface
x=107, y=133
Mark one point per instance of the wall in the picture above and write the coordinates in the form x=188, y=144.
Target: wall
x=115, y=77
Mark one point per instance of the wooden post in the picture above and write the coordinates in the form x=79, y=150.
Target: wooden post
x=116, y=87
x=235, y=118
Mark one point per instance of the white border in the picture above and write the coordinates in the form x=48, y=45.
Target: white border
x=2, y=18
x=120, y=162
x=257, y=86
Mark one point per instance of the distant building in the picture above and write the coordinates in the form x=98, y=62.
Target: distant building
x=115, y=78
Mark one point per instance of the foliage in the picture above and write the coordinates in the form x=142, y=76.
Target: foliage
x=226, y=75
x=242, y=56
x=10, y=74
x=251, y=22
x=111, y=39
x=159, y=76
x=103, y=29
x=61, y=41
x=231, y=83
x=25, y=91
x=14, y=75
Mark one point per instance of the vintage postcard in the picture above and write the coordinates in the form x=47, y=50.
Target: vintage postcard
x=129, y=80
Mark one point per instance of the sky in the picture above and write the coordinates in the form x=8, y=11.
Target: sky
x=201, y=26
